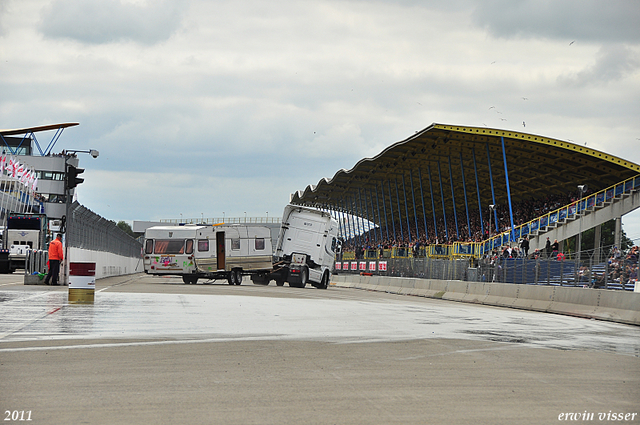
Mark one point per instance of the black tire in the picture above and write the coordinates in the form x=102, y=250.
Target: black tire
x=238, y=277
x=190, y=280
x=324, y=282
x=304, y=277
x=231, y=278
x=279, y=282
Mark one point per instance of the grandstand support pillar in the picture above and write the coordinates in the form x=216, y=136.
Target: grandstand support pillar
x=433, y=204
x=378, y=231
x=424, y=212
x=359, y=220
x=345, y=217
x=453, y=200
x=406, y=207
x=466, y=202
x=393, y=221
x=413, y=196
x=365, y=213
x=475, y=170
x=597, y=243
x=493, y=193
x=384, y=208
x=617, y=238
x=399, y=210
x=444, y=212
x=506, y=175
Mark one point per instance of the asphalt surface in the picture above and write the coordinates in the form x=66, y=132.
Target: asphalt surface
x=152, y=350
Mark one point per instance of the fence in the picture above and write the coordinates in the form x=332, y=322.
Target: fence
x=592, y=269
x=87, y=230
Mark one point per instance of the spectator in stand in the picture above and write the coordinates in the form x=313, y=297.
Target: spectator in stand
x=524, y=245
x=555, y=247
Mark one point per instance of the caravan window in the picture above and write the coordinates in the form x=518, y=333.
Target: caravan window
x=259, y=244
x=148, y=246
x=235, y=244
x=169, y=246
x=189, y=249
x=203, y=245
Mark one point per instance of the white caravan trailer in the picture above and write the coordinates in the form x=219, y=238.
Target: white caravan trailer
x=208, y=252
x=306, y=248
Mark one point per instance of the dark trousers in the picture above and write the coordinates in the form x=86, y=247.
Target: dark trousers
x=54, y=272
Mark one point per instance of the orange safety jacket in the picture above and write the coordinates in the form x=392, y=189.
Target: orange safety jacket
x=55, y=250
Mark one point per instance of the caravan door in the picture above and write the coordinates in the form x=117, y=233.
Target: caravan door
x=220, y=250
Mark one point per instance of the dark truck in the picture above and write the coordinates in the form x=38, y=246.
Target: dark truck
x=22, y=231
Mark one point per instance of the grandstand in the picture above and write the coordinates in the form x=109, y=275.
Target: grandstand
x=467, y=192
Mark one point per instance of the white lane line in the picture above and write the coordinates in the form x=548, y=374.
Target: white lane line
x=138, y=344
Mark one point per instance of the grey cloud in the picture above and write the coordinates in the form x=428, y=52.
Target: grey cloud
x=612, y=63
x=582, y=20
x=107, y=21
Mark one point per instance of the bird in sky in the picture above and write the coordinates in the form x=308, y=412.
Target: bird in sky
x=523, y=124
x=525, y=98
x=492, y=107
x=572, y=42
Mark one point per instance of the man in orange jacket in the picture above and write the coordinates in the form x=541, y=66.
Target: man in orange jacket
x=56, y=256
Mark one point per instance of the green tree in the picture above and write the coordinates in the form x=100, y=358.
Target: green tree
x=124, y=226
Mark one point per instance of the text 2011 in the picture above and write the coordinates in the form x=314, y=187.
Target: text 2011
x=17, y=415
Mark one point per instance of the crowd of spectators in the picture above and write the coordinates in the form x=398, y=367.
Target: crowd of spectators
x=621, y=268
x=448, y=232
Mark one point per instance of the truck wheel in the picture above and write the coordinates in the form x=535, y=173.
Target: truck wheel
x=238, y=276
x=190, y=280
x=324, y=282
x=279, y=282
x=304, y=277
x=231, y=278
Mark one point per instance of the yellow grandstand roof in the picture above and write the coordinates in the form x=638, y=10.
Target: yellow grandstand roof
x=537, y=167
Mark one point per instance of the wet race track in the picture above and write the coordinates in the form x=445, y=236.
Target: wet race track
x=152, y=350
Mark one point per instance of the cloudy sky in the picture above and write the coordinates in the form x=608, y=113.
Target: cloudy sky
x=202, y=107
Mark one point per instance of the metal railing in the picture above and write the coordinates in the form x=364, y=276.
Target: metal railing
x=88, y=230
x=225, y=220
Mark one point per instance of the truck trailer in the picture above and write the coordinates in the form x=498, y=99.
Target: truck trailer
x=207, y=252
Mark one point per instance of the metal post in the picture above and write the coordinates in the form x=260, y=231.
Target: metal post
x=506, y=175
x=379, y=216
x=393, y=221
x=453, y=200
x=444, y=212
x=493, y=194
x=399, y=212
x=415, y=213
x=475, y=169
x=424, y=211
x=406, y=208
x=466, y=203
x=384, y=207
x=433, y=204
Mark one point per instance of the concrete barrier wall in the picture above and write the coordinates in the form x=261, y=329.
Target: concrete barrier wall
x=615, y=306
x=107, y=263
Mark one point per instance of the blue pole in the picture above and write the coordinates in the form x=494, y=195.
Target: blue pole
x=361, y=219
x=475, y=169
x=493, y=194
x=466, y=203
x=393, y=221
x=366, y=214
x=399, y=211
x=384, y=207
x=406, y=208
x=379, y=216
x=444, y=211
x=506, y=175
x=413, y=197
x=453, y=200
x=424, y=212
x=433, y=204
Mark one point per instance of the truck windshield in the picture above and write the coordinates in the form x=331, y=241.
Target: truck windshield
x=169, y=246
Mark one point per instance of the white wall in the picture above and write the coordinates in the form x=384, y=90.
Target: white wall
x=107, y=264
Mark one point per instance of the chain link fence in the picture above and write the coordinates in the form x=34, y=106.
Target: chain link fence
x=88, y=230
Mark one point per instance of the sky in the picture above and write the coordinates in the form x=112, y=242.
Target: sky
x=209, y=108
